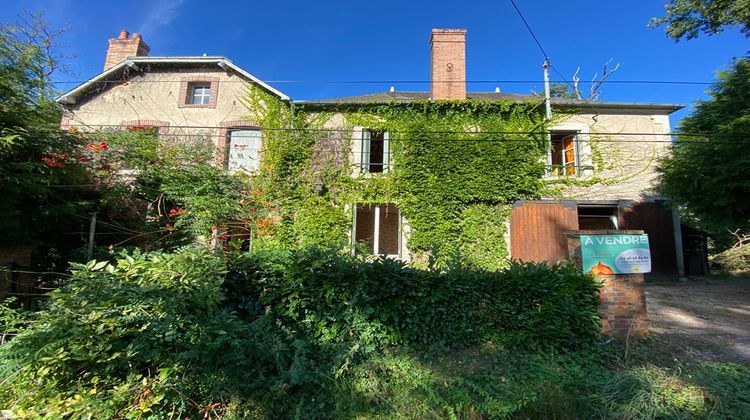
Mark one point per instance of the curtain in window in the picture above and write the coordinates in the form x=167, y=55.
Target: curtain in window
x=244, y=150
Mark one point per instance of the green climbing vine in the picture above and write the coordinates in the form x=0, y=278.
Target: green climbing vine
x=457, y=168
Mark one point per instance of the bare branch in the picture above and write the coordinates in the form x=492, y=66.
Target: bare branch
x=576, y=79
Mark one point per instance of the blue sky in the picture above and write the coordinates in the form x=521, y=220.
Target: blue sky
x=389, y=40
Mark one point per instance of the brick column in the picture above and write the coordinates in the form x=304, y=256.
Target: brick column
x=622, y=296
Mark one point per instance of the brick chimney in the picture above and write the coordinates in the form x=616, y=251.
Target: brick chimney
x=124, y=46
x=448, y=62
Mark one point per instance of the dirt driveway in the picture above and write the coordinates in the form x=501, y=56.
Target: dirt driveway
x=708, y=317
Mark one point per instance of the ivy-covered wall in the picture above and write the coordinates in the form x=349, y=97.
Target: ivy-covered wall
x=457, y=168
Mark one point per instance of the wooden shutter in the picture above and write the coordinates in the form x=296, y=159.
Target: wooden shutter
x=537, y=230
x=569, y=149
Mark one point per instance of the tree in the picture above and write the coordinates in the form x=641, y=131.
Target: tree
x=39, y=174
x=708, y=175
x=689, y=18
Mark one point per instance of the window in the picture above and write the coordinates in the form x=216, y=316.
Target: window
x=563, y=158
x=597, y=217
x=200, y=94
x=376, y=151
x=244, y=150
x=379, y=228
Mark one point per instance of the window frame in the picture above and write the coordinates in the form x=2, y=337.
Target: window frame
x=576, y=166
x=228, y=146
x=205, y=94
x=187, y=84
x=377, y=209
x=366, y=152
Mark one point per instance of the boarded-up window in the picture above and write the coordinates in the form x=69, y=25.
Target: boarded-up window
x=378, y=228
x=244, y=150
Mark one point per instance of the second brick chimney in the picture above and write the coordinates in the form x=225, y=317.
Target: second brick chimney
x=124, y=46
x=448, y=62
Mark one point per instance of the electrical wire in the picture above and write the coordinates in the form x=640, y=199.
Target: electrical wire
x=365, y=82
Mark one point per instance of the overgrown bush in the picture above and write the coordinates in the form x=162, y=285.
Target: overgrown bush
x=339, y=298
x=150, y=335
x=266, y=334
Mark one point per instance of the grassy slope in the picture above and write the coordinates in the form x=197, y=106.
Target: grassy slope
x=489, y=382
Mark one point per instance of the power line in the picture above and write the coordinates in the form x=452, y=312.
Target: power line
x=487, y=81
x=121, y=128
x=538, y=44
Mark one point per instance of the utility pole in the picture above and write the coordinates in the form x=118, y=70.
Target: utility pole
x=547, y=97
x=548, y=107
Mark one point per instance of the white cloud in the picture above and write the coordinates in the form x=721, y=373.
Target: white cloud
x=161, y=14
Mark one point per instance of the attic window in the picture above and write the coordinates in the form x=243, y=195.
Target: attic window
x=198, y=92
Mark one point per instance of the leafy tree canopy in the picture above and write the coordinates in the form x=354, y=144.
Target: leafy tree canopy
x=708, y=175
x=688, y=18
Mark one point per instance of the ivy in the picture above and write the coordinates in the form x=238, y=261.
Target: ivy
x=456, y=171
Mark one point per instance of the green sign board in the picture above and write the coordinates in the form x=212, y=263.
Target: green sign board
x=615, y=254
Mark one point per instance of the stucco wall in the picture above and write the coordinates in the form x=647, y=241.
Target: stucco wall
x=618, y=152
x=154, y=96
x=621, y=151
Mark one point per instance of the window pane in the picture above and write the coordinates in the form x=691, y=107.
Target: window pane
x=376, y=151
x=200, y=95
x=563, y=153
x=244, y=150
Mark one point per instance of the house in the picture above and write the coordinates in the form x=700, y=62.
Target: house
x=178, y=96
x=600, y=157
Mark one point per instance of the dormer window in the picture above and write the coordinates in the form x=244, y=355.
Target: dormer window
x=200, y=94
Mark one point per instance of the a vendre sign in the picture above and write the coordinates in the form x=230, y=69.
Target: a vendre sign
x=615, y=254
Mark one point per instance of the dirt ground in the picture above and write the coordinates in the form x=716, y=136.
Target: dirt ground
x=706, y=317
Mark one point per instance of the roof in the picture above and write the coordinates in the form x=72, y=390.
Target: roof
x=406, y=97
x=132, y=62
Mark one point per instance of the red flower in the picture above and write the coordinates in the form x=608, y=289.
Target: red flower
x=84, y=159
x=51, y=162
x=176, y=212
x=97, y=147
x=252, y=209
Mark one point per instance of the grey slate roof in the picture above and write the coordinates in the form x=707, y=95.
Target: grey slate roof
x=406, y=97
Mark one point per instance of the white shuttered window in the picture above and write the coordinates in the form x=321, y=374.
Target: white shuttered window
x=244, y=150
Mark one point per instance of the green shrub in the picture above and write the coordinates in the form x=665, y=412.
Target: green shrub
x=267, y=334
x=339, y=298
x=149, y=334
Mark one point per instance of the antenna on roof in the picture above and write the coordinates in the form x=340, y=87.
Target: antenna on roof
x=392, y=89
x=497, y=89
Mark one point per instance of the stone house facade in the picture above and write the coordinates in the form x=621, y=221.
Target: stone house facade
x=609, y=149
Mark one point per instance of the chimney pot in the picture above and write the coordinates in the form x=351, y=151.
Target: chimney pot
x=448, y=64
x=125, y=46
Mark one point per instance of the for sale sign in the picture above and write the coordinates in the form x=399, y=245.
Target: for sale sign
x=615, y=254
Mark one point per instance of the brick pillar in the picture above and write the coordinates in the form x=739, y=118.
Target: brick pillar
x=448, y=64
x=622, y=297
